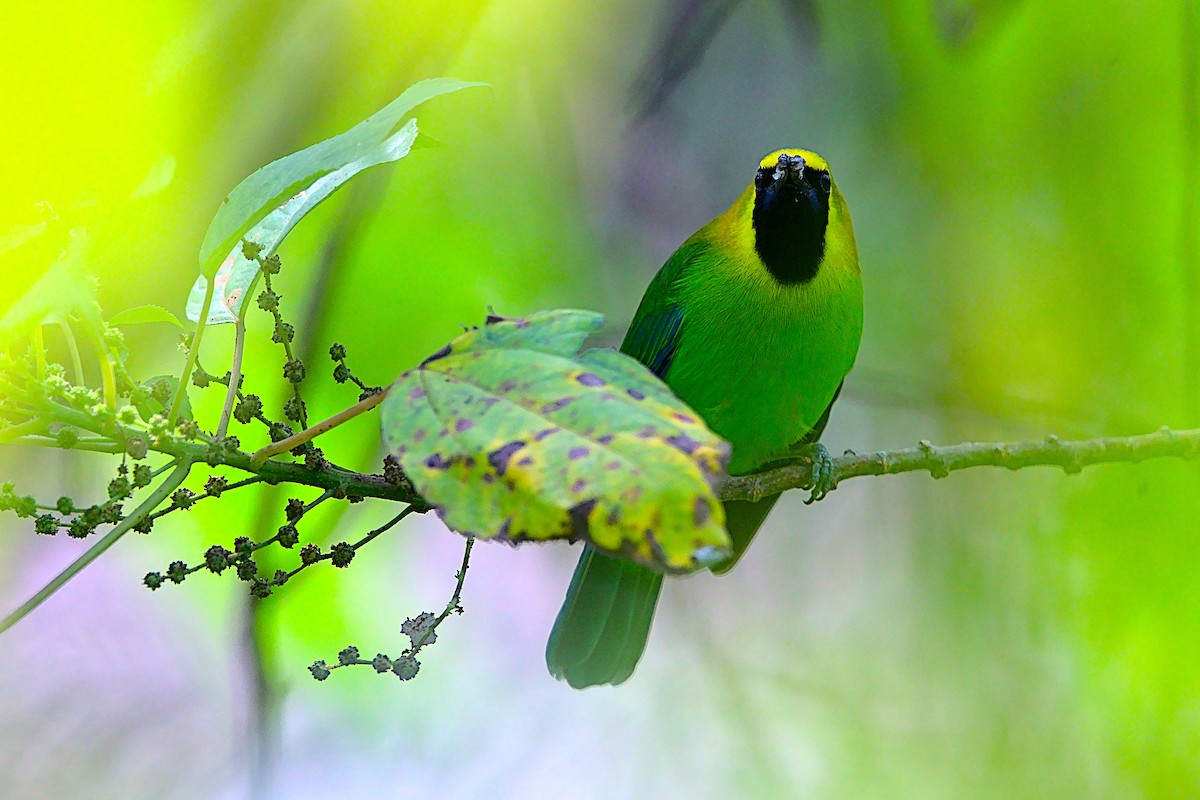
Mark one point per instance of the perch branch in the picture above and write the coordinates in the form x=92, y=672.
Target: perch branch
x=1070, y=456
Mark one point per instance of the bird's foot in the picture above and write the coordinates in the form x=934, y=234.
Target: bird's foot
x=822, y=471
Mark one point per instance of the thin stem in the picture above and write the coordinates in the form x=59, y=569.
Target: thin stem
x=73, y=349
x=106, y=367
x=85, y=445
x=253, y=479
x=308, y=434
x=193, y=352
x=382, y=529
x=235, y=375
x=454, y=598
x=29, y=427
x=156, y=498
x=39, y=352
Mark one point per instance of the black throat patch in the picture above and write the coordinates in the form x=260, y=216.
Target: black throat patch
x=790, y=218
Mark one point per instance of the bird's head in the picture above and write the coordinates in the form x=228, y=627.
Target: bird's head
x=792, y=195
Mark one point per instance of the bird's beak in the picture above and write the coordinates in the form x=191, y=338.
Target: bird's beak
x=789, y=169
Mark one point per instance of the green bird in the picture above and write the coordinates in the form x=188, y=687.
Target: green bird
x=754, y=322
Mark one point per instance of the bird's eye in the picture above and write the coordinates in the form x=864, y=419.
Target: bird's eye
x=826, y=183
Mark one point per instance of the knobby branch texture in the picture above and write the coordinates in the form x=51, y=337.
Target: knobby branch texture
x=1070, y=456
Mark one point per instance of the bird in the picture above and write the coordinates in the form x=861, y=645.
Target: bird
x=754, y=322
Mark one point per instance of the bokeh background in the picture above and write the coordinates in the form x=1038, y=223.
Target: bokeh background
x=1023, y=178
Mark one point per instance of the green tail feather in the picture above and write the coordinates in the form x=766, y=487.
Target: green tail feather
x=600, y=633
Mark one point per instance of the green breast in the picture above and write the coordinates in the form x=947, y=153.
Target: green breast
x=761, y=361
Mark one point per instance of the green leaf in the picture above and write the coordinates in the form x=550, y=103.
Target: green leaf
x=269, y=187
x=139, y=315
x=237, y=274
x=512, y=434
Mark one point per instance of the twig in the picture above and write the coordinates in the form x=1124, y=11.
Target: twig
x=206, y=494
x=451, y=606
x=1070, y=456
x=72, y=351
x=193, y=352
x=382, y=529
x=235, y=376
x=309, y=434
x=406, y=666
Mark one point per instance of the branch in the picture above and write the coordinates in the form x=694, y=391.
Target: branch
x=1070, y=456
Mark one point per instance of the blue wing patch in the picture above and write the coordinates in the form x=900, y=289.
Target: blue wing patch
x=653, y=339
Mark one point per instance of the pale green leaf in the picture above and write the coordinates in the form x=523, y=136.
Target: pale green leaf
x=269, y=187
x=237, y=274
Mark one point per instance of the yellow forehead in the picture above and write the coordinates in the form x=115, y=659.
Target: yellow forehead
x=810, y=158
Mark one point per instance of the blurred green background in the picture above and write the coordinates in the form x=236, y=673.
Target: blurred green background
x=1023, y=178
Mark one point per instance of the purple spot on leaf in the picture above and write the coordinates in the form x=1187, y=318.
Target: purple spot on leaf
x=576, y=453
x=578, y=514
x=500, y=457
x=525, y=461
x=684, y=418
x=507, y=386
x=683, y=443
x=445, y=351
x=463, y=425
x=562, y=402
x=578, y=485
x=544, y=433
x=605, y=439
x=635, y=394
x=613, y=465
x=588, y=379
x=436, y=461
x=416, y=394
x=701, y=511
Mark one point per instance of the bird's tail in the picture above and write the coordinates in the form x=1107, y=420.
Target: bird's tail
x=601, y=630
x=600, y=633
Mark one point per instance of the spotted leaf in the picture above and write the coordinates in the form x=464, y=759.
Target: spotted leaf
x=513, y=434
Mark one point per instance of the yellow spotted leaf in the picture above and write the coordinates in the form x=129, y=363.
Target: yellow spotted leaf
x=512, y=434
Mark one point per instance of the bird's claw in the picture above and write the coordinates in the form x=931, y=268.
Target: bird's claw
x=822, y=471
